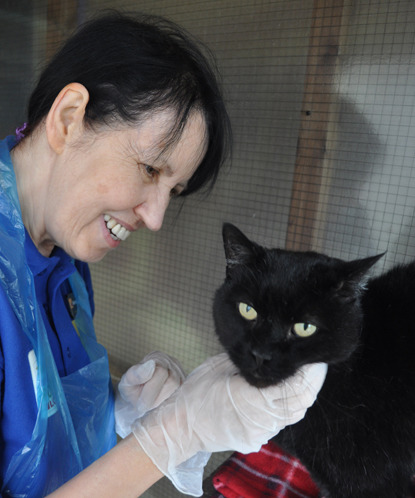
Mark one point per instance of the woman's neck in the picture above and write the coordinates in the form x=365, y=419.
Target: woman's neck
x=32, y=161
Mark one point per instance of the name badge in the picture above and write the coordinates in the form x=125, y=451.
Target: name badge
x=34, y=369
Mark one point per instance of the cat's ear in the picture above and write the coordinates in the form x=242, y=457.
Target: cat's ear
x=360, y=267
x=356, y=276
x=239, y=250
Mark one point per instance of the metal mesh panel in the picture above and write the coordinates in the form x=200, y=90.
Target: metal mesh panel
x=322, y=98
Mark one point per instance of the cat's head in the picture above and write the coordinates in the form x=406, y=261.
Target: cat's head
x=278, y=310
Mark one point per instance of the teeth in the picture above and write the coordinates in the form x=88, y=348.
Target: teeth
x=114, y=229
x=117, y=231
x=111, y=224
x=121, y=233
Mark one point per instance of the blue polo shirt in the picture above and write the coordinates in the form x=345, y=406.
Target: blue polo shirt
x=18, y=402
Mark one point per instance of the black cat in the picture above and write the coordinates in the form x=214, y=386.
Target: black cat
x=278, y=310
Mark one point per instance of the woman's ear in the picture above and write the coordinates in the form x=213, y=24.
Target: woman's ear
x=65, y=118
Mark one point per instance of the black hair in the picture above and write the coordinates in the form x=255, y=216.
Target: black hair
x=133, y=65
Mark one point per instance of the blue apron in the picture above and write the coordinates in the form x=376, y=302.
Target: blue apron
x=75, y=420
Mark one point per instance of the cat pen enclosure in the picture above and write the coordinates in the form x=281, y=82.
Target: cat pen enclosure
x=321, y=96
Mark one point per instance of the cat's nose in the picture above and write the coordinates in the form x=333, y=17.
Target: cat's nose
x=260, y=356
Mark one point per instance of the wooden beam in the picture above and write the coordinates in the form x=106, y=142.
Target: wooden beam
x=61, y=17
x=312, y=139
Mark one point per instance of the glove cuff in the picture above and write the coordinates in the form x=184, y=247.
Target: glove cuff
x=186, y=477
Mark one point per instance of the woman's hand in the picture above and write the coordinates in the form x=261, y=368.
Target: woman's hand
x=217, y=410
x=143, y=387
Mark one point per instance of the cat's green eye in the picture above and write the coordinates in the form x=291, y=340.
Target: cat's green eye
x=304, y=329
x=248, y=312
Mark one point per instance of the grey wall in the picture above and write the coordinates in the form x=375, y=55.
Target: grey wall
x=155, y=291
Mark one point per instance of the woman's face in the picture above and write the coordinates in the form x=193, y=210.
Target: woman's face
x=116, y=183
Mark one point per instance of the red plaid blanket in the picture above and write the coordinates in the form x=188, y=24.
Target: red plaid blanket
x=269, y=473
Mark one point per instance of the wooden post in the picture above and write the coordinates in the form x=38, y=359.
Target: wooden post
x=62, y=18
x=312, y=140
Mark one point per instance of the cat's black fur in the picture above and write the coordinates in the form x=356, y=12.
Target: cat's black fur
x=358, y=439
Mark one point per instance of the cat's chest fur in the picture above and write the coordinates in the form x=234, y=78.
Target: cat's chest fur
x=358, y=439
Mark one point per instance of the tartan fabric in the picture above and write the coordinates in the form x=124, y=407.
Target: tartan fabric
x=269, y=473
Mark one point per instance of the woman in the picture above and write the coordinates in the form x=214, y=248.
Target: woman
x=126, y=116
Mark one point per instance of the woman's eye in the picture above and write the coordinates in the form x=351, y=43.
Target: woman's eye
x=150, y=171
x=303, y=329
x=247, y=312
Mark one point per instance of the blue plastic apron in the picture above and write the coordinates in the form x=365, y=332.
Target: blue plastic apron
x=75, y=421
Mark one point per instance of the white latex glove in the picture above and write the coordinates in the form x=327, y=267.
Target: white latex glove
x=143, y=387
x=217, y=410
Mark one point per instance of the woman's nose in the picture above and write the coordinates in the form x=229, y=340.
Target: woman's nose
x=152, y=210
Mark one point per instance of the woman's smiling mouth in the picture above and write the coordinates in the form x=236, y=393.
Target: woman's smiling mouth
x=116, y=230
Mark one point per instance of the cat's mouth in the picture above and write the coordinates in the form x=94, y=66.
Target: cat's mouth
x=257, y=380
x=264, y=376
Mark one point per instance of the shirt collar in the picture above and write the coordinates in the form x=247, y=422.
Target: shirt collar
x=38, y=263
